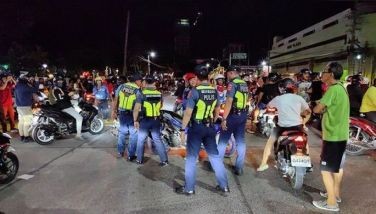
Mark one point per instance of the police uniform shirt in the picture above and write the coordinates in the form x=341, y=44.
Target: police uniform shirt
x=193, y=97
x=140, y=98
x=233, y=87
x=121, y=87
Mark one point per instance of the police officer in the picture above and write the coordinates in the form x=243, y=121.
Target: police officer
x=235, y=117
x=202, y=101
x=125, y=98
x=146, y=114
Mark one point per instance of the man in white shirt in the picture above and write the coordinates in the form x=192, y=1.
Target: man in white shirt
x=293, y=113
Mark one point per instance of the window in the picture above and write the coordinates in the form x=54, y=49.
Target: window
x=280, y=44
x=309, y=33
x=292, y=40
x=330, y=24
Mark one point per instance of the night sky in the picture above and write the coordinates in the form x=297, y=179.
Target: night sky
x=91, y=33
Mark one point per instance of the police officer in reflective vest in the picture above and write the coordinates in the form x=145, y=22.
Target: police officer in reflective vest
x=124, y=102
x=235, y=117
x=147, y=119
x=201, y=103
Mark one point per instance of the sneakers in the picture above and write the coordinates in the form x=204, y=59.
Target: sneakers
x=238, y=172
x=163, y=164
x=224, y=191
x=324, y=206
x=14, y=130
x=80, y=138
x=181, y=190
x=262, y=167
x=119, y=155
x=325, y=195
x=131, y=158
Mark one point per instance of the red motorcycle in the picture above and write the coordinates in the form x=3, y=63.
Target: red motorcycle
x=362, y=136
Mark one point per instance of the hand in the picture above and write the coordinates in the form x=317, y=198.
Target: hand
x=224, y=125
x=137, y=125
x=182, y=137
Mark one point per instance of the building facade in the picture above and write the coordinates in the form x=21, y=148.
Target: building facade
x=348, y=38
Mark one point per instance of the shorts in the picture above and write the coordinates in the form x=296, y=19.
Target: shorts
x=332, y=156
x=278, y=130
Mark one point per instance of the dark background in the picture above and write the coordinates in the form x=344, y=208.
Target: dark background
x=90, y=34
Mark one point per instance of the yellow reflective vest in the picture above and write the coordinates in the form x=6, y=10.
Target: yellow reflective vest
x=152, y=102
x=206, y=102
x=241, y=94
x=127, y=96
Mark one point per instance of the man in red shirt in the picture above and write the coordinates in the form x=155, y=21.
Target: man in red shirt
x=6, y=108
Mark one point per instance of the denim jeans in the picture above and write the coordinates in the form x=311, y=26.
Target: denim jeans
x=103, y=108
x=154, y=127
x=235, y=125
x=127, y=127
x=197, y=134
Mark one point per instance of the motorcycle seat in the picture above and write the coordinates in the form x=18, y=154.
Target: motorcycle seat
x=293, y=132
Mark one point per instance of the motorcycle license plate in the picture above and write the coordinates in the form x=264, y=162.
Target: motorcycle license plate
x=300, y=161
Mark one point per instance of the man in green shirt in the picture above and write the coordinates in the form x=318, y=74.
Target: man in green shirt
x=335, y=106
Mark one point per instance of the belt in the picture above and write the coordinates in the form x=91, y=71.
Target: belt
x=152, y=118
x=126, y=111
x=204, y=121
x=237, y=111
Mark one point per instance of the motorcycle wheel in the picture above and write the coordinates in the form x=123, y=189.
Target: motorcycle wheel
x=39, y=136
x=10, y=169
x=298, y=177
x=353, y=148
x=96, y=126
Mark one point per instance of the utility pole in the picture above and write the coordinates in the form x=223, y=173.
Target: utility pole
x=126, y=44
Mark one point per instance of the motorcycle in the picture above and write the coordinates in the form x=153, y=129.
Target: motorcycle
x=291, y=156
x=171, y=124
x=49, y=123
x=362, y=136
x=9, y=163
x=178, y=107
x=266, y=121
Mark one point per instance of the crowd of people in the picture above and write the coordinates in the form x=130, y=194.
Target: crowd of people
x=137, y=102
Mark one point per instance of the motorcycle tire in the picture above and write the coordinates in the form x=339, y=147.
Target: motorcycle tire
x=15, y=163
x=96, y=126
x=38, y=134
x=298, y=177
x=352, y=147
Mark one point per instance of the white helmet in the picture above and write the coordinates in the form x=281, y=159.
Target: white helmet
x=219, y=76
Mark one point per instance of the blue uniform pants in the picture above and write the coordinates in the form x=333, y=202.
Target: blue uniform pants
x=197, y=134
x=154, y=126
x=235, y=125
x=127, y=127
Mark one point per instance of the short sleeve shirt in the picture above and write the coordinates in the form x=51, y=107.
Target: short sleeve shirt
x=193, y=97
x=290, y=107
x=335, y=122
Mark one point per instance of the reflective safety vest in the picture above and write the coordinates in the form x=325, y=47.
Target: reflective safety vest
x=241, y=94
x=151, y=105
x=127, y=96
x=206, y=102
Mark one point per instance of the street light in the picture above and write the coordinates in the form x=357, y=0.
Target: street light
x=44, y=65
x=152, y=55
x=359, y=56
x=263, y=63
x=207, y=65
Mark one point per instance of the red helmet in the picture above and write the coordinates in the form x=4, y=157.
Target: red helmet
x=189, y=76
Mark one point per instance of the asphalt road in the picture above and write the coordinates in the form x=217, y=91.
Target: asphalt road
x=85, y=177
